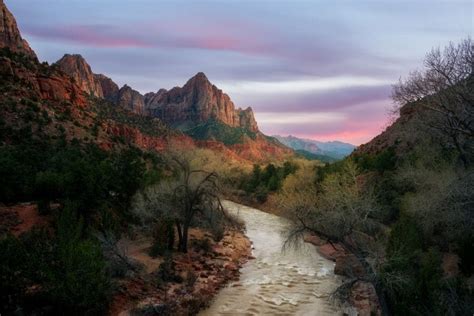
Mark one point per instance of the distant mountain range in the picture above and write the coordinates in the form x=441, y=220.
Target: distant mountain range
x=313, y=149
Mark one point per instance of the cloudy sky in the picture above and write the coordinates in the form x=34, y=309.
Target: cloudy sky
x=314, y=69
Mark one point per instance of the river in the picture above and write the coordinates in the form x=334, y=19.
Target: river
x=294, y=282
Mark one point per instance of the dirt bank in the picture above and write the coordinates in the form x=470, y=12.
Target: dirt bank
x=199, y=274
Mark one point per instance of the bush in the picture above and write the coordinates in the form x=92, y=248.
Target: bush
x=13, y=276
x=167, y=272
x=78, y=281
x=163, y=238
x=383, y=161
x=261, y=182
x=217, y=232
x=406, y=237
x=202, y=245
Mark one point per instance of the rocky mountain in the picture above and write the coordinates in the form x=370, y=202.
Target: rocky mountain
x=110, y=90
x=10, y=36
x=131, y=99
x=77, y=67
x=197, y=102
x=334, y=149
x=77, y=104
x=99, y=85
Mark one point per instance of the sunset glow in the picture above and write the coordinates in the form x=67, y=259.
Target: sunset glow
x=314, y=69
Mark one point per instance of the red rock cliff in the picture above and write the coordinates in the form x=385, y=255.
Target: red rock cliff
x=10, y=36
x=77, y=67
x=196, y=102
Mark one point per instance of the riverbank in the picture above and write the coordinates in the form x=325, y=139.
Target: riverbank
x=193, y=278
x=362, y=296
x=291, y=281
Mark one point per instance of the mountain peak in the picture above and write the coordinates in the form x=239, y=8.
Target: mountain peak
x=199, y=101
x=75, y=56
x=201, y=76
x=77, y=67
x=199, y=79
x=10, y=36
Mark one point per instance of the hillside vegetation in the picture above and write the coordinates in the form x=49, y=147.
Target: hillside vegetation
x=403, y=204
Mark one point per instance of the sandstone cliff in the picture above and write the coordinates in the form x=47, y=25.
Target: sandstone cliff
x=99, y=85
x=77, y=67
x=10, y=36
x=198, y=101
x=131, y=99
x=110, y=89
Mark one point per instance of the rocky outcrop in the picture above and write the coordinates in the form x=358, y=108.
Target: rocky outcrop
x=110, y=89
x=198, y=101
x=246, y=119
x=10, y=36
x=77, y=67
x=99, y=85
x=362, y=294
x=152, y=98
x=131, y=99
x=54, y=86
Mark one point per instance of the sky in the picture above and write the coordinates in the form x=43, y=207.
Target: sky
x=314, y=69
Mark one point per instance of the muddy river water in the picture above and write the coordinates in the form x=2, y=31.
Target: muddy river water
x=291, y=282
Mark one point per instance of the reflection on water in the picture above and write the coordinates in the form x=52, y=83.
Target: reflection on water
x=294, y=282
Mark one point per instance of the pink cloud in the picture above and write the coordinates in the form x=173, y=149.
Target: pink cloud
x=91, y=35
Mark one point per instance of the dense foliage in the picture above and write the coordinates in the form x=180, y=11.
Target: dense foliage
x=65, y=269
x=79, y=187
x=405, y=208
x=215, y=130
x=261, y=182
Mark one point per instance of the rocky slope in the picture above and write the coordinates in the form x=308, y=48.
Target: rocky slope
x=409, y=130
x=10, y=36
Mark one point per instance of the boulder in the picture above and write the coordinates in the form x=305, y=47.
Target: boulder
x=364, y=298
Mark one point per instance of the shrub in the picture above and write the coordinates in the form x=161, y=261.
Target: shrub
x=217, y=232
x=167, y=272
x=13, y=277
x=78, y=281
x=202, y=245
x=406, y=237
x=163, y=238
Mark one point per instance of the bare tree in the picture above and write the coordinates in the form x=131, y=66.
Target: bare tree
x=446, y=89
x=339, y=211
x=193, y=193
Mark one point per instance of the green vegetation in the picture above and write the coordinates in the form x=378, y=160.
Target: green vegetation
x=405, y=211
x=269, y=179
x=90, y=189
x=83, y=174
x=214, y=130
x=188, y=198
x=146, y=124
x=310, y=156
x=65, y=266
